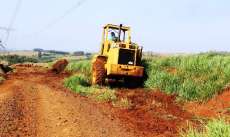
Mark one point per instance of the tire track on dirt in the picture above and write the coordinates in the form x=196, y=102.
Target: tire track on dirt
x=17, y=112
x=74, y=116
x=36, y=104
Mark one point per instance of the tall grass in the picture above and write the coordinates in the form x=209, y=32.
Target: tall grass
x=81, y=66
x=214, y=128
x=192, y=77
x=78, y=84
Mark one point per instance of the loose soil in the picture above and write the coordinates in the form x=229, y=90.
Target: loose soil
x=153, y=112
x=219, y=106
x=33, y=102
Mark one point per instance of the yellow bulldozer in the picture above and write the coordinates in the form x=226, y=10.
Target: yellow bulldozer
x=119, y=58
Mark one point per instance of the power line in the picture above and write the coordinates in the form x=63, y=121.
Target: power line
x=15, y=13
x=6, y=29
x=69, y=11
x=1, y=44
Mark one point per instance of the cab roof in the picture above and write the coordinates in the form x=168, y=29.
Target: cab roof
x=116, y=27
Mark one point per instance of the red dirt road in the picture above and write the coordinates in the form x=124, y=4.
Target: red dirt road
x=33, y=102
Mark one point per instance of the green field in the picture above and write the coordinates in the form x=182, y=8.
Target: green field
x=191, y=77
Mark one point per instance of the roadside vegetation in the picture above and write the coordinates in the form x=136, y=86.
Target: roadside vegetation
x=1, y=79
x=80, y=66
x=80, y=84
x=192, y=77
x=214, y=128
x=13, y=59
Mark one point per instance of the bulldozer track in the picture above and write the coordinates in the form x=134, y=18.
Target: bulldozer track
x=99, y=73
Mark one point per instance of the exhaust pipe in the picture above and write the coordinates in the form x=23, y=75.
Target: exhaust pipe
x=119, y=34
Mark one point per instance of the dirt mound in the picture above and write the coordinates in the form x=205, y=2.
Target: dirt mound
x=215, y=107
x=153, y=112
x=59, y=66
x=5, y=68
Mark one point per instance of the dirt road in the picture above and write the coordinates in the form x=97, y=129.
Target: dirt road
x=33, y=103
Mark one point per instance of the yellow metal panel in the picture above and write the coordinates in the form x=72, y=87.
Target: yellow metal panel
x=125, y=70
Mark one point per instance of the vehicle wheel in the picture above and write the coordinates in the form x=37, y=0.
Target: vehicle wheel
x=99, y=73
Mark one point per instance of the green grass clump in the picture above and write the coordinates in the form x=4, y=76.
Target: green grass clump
x=78, y=83
x=191, y=77
x=214, y=128
x=1, y=79
x=123, y=103
x=106, y=96
x=81, y=66
x=81, y=85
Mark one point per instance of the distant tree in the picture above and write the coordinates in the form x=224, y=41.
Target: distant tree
x=38, y=49
x=57, y=52
x=78, y=53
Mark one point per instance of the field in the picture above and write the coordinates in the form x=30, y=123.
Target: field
x=191, y=78
x=20, y=53
x=182, y=95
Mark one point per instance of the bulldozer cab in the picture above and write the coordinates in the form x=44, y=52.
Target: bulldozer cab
x=121, y=33
x=117, y=46
x=115, y=36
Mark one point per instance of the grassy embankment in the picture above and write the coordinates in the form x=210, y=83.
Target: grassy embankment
x=80, y=82
x=214, y=128
x=192, y=77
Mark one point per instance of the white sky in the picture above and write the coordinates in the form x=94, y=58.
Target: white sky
x=157, y=25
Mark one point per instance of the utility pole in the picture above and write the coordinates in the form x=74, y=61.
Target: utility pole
x=7, y=30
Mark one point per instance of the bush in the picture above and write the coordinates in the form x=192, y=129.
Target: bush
x=192, y=77
x=214, y=128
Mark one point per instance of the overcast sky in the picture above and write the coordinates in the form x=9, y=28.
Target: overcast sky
x=157, y=25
